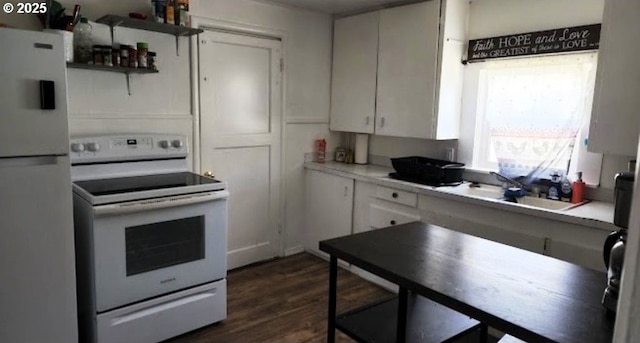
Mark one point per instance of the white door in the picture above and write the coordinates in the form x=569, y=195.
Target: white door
x=240, y=106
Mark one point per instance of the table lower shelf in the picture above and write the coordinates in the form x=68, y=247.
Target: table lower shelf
x=427, y=322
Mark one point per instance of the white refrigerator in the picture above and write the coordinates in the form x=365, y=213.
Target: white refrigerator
x=37, y=258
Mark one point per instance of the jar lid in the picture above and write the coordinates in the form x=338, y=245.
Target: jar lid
x=151, y=53
x=143, y=45
x=84, y=20
x=124, y=46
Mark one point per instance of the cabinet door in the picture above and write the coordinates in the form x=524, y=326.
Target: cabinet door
x=582, y=254
x=615, y=120
x=407, y=64
x=329, y=208
x=361, y=205
x=353, y=84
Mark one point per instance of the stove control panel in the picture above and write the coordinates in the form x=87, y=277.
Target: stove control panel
x=135, y=147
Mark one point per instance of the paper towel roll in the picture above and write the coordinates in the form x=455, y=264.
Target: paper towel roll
x=362, y=148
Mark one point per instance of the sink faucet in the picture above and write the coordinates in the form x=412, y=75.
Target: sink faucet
x=503, y=178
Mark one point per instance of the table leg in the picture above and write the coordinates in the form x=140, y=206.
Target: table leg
x=484, y=333
x=401, y=330
x=333, y=278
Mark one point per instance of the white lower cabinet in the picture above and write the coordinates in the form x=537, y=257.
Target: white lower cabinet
x=338, y=206
x=375, y=207
x=383, y=215
x=329, y=207
x=566, y=241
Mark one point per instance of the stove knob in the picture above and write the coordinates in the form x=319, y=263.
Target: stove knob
x=177, y=144
x=93, y=147
x=164, y=144
x=77, y=147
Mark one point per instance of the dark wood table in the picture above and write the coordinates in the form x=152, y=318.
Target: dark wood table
x=530, y=296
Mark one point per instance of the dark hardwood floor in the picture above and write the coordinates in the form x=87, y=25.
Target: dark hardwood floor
x=283, y=300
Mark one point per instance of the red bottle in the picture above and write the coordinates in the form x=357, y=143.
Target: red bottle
x=578, y=190
x=321, y=150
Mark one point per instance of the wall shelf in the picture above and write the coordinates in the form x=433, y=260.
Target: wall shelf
x=124, y=70
x=148, y=25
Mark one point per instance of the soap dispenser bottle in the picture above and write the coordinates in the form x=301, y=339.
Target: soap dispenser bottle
x=566, y=189
x=554, y=188
x=578, y=190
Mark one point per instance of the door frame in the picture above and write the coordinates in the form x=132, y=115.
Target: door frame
x=233, y=27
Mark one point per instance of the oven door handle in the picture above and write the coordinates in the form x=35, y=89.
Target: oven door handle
x=154, y=204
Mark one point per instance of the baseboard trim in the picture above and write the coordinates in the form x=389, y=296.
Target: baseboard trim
x=294, y=250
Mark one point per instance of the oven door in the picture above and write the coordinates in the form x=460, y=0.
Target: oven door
x=146, y=248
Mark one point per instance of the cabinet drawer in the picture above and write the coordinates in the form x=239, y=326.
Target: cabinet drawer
x=401, y=197
x=380, y=216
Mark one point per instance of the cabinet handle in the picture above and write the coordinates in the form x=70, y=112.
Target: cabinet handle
x=394, y=195
x=393, y=222
x=346, y=190
x=366, y=121
x=382, y=122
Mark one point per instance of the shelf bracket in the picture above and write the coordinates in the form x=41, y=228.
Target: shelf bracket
x=128, y=76
x=112, y=26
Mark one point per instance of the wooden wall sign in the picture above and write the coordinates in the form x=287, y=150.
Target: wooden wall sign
x=567, y=39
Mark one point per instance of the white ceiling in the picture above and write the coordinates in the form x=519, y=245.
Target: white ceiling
x=340, y=6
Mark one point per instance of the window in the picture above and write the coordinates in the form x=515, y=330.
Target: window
x=532, y=116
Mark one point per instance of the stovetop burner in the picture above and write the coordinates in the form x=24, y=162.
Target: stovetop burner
x=422, y=181
x=143, y=183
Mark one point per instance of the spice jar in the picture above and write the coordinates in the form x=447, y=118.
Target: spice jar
x=107, y=57
x=98, y=58
x=133, y=57
x=115, y=57
x=152, y=60
x=124, y=55
x=143, y=50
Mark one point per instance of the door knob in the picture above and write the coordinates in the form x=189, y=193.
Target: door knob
x=209, y=174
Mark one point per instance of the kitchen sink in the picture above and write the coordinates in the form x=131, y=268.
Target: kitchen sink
x=548, y=204
x=496, y=193
x=484, y=191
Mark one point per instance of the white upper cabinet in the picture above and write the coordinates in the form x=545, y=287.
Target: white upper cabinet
x=353, y=83
x=398, y=72
x=615, y=118
x=407, y=62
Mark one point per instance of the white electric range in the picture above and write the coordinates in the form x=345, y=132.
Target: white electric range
x=151, y=239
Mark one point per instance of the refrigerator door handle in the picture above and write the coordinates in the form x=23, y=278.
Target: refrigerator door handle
x=12, y=162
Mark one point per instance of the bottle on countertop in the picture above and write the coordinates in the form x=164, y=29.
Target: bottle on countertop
x=321, y=150
x=566, y=189
x=578, y=190
x=554, y=188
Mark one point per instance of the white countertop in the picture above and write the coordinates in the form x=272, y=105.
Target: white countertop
x=596, y=214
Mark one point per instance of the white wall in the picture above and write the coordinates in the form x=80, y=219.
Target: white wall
x=384, y=146
x=489, y=18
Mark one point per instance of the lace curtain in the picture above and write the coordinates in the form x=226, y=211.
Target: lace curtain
x=533, y=109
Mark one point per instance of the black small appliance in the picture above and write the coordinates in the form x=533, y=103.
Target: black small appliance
x=614, y=245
